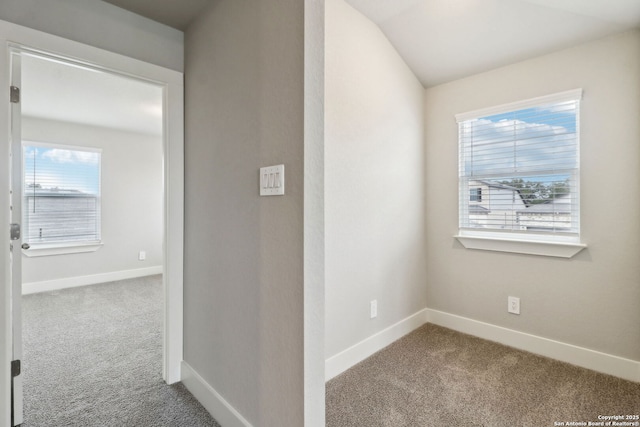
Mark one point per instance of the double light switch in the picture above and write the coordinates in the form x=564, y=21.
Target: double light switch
x=272, y=180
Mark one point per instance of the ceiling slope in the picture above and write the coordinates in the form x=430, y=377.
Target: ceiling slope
x=444, y=40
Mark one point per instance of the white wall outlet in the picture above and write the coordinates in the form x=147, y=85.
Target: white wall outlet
x=142, y=255
x=513, y=305
x=272, y=181
x=373, y=306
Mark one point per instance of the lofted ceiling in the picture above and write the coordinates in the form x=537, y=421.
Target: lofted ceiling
x=444, y=40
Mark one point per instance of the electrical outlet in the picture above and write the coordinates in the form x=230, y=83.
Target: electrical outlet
x=142, y=255
x=374, y=308
x=513, y=305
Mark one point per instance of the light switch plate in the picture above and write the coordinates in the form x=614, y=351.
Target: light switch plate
x=272, y=180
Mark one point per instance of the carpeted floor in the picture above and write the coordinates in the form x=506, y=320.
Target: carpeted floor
x=438, y=377
x=93, y=357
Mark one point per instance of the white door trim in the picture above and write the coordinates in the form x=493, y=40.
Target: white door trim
x=16, y=254
x=11, y=34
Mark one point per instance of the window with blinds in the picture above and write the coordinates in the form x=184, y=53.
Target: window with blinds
x=61, y=190
x=519, y=167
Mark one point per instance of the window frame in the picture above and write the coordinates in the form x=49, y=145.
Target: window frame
x=37, y=249
x=564, y=244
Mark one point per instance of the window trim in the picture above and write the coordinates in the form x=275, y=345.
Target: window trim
x=38, y=250
x=73, y=246
x=521, y=244
x=569, y=95
x=553, y=245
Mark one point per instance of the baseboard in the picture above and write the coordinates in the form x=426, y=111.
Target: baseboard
x=72, y=282
x=344, y=360
x=220, y=409
x=601, y=362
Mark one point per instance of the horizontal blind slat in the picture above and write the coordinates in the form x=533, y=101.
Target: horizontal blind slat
x=61, y=194
x=518, y=169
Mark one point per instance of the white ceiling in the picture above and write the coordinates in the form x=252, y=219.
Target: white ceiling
x=57, y=91
x=444, y=40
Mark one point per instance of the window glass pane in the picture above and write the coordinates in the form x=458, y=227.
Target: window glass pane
x=475, y=195
x=521, y=141
x=61, y=194
x=519, y=170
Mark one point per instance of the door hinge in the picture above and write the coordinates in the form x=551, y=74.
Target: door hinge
x=14, y=97
x=15, y=368
x=15, y=371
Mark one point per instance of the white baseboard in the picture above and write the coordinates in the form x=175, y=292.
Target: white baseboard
x=580, y=356
x=220, y=409
x=72, y=282
x=344, y=360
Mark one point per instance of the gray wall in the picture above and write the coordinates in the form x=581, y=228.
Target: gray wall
x=102, y=25
x=131, y=201
x=243, y=299
x=374, y=181
x=592, y=299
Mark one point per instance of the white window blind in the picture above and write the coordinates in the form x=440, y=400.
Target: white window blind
x=523, y=159
x=61, y=192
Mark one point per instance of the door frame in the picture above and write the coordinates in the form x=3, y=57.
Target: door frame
x=12, y=36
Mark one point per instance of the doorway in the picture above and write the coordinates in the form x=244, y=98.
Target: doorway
x=172, y=200
x=91, y=213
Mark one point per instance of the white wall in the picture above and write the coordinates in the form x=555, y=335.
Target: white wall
x=102, y=25
x=374, y=181
x=314, y=232
x=132, y=194
x=592, y=299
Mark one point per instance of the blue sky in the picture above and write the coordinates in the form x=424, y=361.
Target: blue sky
x=68, y=169
x=563, y=115
x=545, y=139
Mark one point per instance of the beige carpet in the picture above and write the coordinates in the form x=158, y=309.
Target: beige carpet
x=93, y=357
x=438, y=377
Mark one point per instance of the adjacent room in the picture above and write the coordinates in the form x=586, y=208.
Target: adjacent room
x=92, y=257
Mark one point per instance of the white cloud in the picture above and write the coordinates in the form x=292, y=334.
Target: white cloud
x=59, y=155
x=538, y=146
x=486, y=131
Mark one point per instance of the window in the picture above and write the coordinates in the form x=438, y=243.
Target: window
x=475, y=195
x=61, y=188
x=520, y=164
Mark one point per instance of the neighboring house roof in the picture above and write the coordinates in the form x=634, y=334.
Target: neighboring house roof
x=561, y=204
x=502, y=187
x=54, y=192
x=498, y=185
x=478, y=210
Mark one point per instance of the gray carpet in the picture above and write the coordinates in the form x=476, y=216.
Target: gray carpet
x=93, y=357
x=438, y=377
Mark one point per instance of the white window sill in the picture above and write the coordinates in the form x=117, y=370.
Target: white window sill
x=561, y=249
x=37, y=250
